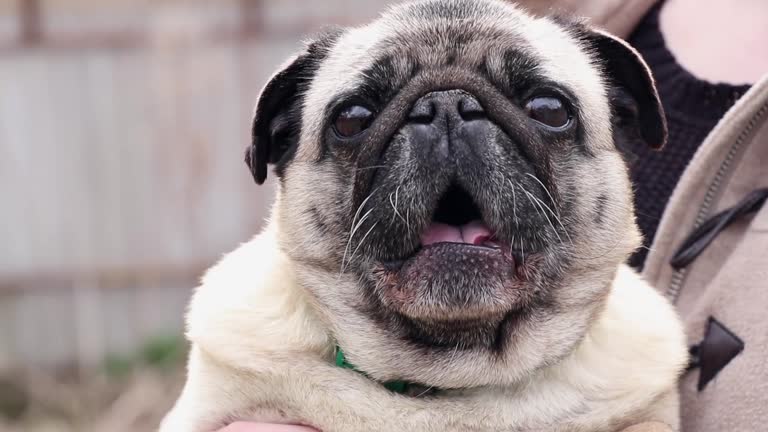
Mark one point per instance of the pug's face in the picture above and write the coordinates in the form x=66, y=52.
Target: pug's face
x=451, y=190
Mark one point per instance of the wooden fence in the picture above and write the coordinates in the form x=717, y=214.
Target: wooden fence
x=121, y=173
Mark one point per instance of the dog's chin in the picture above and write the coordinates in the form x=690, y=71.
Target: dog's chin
x=454, y=292
x=451, y=282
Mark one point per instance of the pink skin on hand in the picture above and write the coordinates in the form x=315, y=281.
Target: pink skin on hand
x=264, y=427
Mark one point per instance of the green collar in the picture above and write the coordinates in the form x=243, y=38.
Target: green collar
x=395, y=386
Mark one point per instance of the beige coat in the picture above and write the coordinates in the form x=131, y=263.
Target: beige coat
x=728, y=282
x=725, y=289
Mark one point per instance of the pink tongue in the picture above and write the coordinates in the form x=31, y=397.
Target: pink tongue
x=474, y=232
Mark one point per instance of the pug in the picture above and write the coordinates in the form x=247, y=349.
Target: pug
x=446, y=249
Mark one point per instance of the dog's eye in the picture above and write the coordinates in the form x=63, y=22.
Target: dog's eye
x=548, y=110
x=352, y=120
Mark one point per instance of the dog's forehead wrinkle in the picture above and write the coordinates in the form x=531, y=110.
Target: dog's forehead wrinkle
x=530, y=35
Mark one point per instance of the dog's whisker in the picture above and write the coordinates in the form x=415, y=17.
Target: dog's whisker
x=352, y=231
x=554, y=214
x=535, y=203
x=362, y=240
x=349, y=242
x=528, y=195
x=357, y=213
x=542, y=203
x=370, y=167
x=394, y=206
x=408, y=219
x=514, y=204
x=522, y=243
x=542, y=186
x=392, y=219
x=357, y=226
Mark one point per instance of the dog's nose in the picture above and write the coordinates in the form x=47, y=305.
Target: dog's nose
x=453, y=105
x=440, y=117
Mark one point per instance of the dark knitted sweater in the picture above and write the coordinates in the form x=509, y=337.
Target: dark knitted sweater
x=693, y=108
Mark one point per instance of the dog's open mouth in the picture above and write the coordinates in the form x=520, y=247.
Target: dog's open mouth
x=458, y=220
x=460, y=273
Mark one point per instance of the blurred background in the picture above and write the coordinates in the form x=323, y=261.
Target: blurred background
x=122, y=129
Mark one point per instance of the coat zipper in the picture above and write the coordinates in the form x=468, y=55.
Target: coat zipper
x=678, y=276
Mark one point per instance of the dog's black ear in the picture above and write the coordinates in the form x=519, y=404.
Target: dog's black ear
x=276, y=125
x=635, y=102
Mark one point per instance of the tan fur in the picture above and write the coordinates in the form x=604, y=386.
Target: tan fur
x=565, y=62
x=265, y=321
x=259, y=352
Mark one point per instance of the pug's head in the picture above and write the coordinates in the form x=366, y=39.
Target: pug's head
x=452, y=190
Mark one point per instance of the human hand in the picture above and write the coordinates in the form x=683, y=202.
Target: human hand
x=264, y=427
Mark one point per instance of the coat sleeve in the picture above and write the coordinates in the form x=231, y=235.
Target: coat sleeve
x=617, y=16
